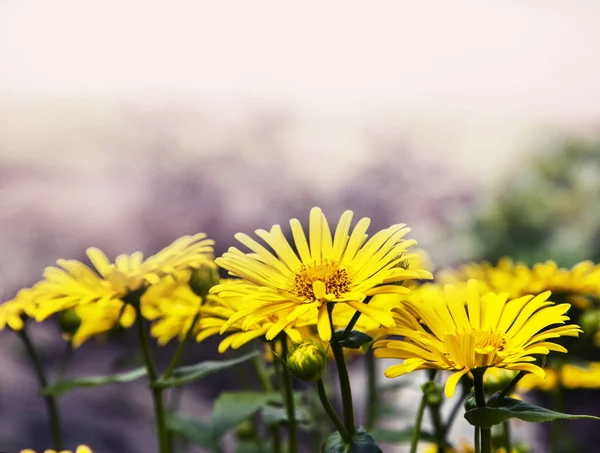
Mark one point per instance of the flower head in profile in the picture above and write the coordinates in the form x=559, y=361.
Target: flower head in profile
x=80, y=449
x=173, y=304
x=327, y=267
x=450, y=333
x=73, y=283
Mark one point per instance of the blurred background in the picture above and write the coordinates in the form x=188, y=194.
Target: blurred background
x=126, y=124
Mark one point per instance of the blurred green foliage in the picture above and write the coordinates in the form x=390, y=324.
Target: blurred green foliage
x=548, y=208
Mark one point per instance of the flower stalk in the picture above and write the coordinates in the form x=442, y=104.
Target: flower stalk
x=417, y=429
x=157, y=393
x=486, y=433
x=286, y=381
x=344, y=377
x=51, y=404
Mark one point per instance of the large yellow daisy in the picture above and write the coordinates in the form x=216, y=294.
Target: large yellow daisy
x=450, y=333
x=342, y=267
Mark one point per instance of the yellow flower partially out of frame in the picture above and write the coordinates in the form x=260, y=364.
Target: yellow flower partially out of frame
x=13, y=311
x=450, y=333
x=80, y=449
x=73, y=283
x=342, y=267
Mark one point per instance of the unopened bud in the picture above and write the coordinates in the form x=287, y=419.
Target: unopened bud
x=203, y=279
x=307, y=362
x=433, y=393
x=69, y=321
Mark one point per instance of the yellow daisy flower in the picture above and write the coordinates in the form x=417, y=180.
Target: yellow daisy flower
x=80, y=449
x=491, y=331
x=342, y=267
x=73, y=283
x=97, y=319
x=172, y=307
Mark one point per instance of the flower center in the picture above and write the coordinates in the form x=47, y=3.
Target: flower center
x=336, y=280
x=489, y=341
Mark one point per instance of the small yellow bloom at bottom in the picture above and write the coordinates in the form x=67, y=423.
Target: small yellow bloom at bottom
x=80, y=449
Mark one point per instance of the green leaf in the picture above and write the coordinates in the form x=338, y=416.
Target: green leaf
x=512, y=408
x=256, y=446
x=196, y=432
x=61, y=387
x=395, y=437
x=361, y=443
x=230, y=409
x=273, y=415
x=185, y=375
x=355, y=340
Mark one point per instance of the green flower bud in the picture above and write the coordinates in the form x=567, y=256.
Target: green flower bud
x=433, y=393
x=307, y=362
x=203, y=279
x=69, y=321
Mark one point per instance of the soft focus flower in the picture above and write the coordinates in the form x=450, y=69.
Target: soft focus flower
x=450, y=333
x=172, y=307
x=342, y=267
x=13, y=311
x=569, y=375
x=519, y=280
x=464, y=447
x=97, y=319
x=74, y=283
x=80, y=449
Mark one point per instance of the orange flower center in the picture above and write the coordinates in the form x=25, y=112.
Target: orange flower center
x=334, y=278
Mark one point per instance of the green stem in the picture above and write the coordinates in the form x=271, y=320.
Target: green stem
x=486, y=433
x=331, y=411
x=51, y=405
x=353, y=320
x=372, y=399
x=508, y=389
x=289, y=400
x=179, y=352
x=346, y=389
x=157, y=393
x=506, y=436
x=439, y=429
x=261, y=372
x=477, y=441
x=417, y=429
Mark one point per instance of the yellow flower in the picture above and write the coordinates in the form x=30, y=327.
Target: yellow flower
x=80, y=449
x=172, y=307
x=216, y=312
x=342, y=267
x=440, y=333
x=13, y=311
x=518, y=279
x=73, y=283
x=531, y=381
x=96, y=319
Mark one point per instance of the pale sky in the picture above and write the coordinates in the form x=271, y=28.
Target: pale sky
x=456, y=77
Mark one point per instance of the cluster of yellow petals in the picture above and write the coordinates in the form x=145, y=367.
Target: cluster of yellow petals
x=518, y=280
x=80, y=449
x=461, y=331
x=291, y=283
